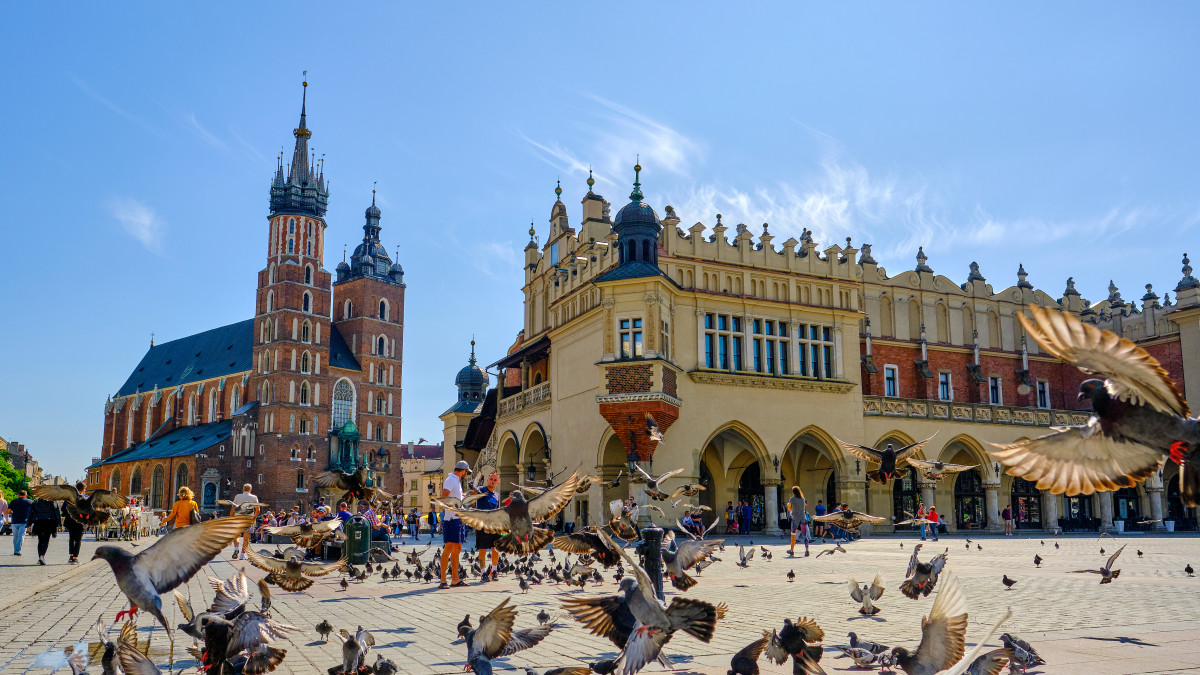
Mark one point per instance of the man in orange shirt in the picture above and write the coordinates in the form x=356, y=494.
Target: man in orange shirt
x=932, y=515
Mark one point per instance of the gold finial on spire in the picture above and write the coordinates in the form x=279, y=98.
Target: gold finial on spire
x=590, y=181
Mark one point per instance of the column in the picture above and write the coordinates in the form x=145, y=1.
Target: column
x=748, y=343
x=1154, y=495
x=926, y=493
x=771, y=506
x=794, y=348
x=991, y=494
x=700, y=362
x=638, y=492
x=1106, y=511
x=1049, y=511
x=597, y=510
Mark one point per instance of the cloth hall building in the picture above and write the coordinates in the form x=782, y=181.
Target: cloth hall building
x=312, y=381
x=755, y=356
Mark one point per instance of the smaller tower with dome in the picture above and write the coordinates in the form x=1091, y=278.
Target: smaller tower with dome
x=472, y=382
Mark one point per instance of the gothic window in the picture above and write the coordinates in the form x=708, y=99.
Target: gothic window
x=212, y=405
x=343, y=403
x=291, y=246
x=300, y=480
x=347, y=310
x=270, y=301
x=307, y=302
x=271, y=274
x=304, y=363
x=156, y=487
x=382, y=350
x=308, y=273
x=379, y=406
x=306, y=332
x=114, y=482
x=310, y=229
x=235, y=399
x=304, y=392
x=308, y=249
x=312, y=454
x=149, y=426
x=295, y=453
x=191, y=417
x=181, y=477
x=383, y=310
x=303, y=425
x=135, y=483
x=646, y=251
x=292, y=227
x=379, y=433
x=292, y=424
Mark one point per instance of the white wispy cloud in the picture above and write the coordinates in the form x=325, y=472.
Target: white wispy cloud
x=193, y=125
x=140, y=221
x=102, y=100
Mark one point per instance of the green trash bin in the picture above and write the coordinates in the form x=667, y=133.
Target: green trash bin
x=358, y=540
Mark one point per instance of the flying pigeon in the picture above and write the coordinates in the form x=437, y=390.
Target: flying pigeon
x=943, y=634
x=745, y=662
x=936, y=470
x=922, y=577
x=170, y=562
x=684, y=556
x=801, y=641
x=587, y=542
x=243, y=509
x=867, y=594
x=890, y=460
x=1107, y=573
x=652, y=429
x=1140, y=418
x=495, y=637
x=849, y=520
x=293, y=575
x=87, y=511
x=654, y=484
x=516, y=517
x=355, y=485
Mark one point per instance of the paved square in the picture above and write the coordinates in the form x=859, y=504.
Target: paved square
x=1147, y=621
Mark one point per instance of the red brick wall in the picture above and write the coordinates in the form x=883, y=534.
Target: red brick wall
x=670, y=385
x=628, y=421
x=629, y=379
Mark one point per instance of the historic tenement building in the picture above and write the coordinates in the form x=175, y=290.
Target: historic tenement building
x=311, y=381
x=754, y=356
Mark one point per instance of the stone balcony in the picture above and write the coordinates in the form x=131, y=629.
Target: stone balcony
x=976, y=413
x=533, y=397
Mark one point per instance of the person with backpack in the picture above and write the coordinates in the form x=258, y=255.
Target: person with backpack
x=185, y=511
x=45, y=519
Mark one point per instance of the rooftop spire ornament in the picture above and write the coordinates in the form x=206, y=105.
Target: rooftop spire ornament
x=558, y=189
x=591, y=182
x=636, y=195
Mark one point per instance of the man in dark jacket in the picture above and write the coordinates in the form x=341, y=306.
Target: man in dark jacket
x=20, y=509
x=45, y=520
x=74, y=530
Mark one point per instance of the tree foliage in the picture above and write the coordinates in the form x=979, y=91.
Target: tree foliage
x=11, y=480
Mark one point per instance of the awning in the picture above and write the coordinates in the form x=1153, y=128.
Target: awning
x=533, y=351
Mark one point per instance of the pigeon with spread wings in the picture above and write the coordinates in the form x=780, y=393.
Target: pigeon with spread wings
x=682, y=556
x=849, y=520
x=293, y=575
x=587, y=542
x=170, y=562
x=355, y=484
x=890, y=460
x=307, y=534
x=922, y=577
x=654, y=484
x=1139, y=417
x=867, y=594
x=1107, y=573
x=515, y=519
x=801, y=641
x=943, y=634
x=495, y=637
x=87, y=511
x=936, y=470
x=243, y=509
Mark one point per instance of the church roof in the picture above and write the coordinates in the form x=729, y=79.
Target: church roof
x=213, y=353
x=632, y=270
x=176, y=443
x=340, y=355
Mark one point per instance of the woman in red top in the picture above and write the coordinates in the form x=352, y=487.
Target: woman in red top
x=932, y=515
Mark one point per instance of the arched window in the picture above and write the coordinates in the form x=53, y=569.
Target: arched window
x=271, y=274
x=943, y=322
x=135, y=483
x=307, y=302
x=304, y=393
x=212, y=405
x=149, y=426
x=306, y=331
x=300, y=479
x=304, y=425
x=308, y=274
x=114, y=482
x=646, y=251
x=308, y=247
x=886, y=325
x=156, y=487
x=914, y=321
x=993, y=330
x=343, y=403
x=291, y=246
x=181, y=478
x=312, y=454
x=292, y=423
x=295, y=453
x=270, y=301
x=191, y=415
x=347, y=310
x=382, y=350
x=310, y=229
x=292, y=226
x=235, y=398
x=304, y=362
x=383, y=310
x=380, y=406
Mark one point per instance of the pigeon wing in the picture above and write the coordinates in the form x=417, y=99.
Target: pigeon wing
x=55, y=493
x=309, y=569
x=495, y=630
x=230, y=594
x=990, y=663
x=642, y=648
x=550, y=502
x=876, y=589
x=495, y=521
x=909, y=450
x=692, y=552
x=251, y=629
x=176, y=557
x=776, y=652
x=862, y=452
x=524, y=639
x=856, y=591
x=107, y=499
x=598, y=615
x=1079, y=460
x=267, y=564
x=1130, y=373
x=944, y=631
x=185, y=607
x=1113, y=558
x=134, y=662
x=912, y=561
x=753, y=651
x=333, y=479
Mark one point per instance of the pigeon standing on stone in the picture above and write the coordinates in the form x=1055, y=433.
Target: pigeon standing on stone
x=1139, y=417
x=1008, y=583
x=324, y=629
x=1022, y=654
x=171, y=561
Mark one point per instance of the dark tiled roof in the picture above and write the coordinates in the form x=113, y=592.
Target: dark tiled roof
x=421, y=451
x=340, y=355
x=176, y=443
x=213, y=353
x=466, y=407
x=632, y=270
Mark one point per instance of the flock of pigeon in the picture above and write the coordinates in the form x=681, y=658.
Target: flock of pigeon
x=1140, y=421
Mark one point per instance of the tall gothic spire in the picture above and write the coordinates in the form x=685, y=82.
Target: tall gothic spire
x=299, y=174
x=305, y=191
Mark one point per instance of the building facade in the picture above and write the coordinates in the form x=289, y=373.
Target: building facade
x=311, y=382
x=755, y=358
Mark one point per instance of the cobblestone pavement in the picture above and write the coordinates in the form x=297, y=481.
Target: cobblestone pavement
x=1146, y=621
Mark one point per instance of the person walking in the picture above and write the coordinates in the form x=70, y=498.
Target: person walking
x=246, y=497
x=797, y=515
x=19, y=509
x=414, y=519
x=921, y=514
x=932, y=515
x=746, y=517
x=3, y=513
x=818, y=526
x=1008, y=520
x=74, y=530
x=485, y=542
x=45, y=520
x=181, y=512
x=452, y=527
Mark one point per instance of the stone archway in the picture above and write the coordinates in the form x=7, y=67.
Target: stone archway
x=728, y=454
x=812, y=462
x=533, y=452
x=509, y=458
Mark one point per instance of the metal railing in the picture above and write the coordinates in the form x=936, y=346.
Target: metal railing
x=530, y=398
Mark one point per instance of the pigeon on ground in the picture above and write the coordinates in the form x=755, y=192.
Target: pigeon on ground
x=324, y=629
x=1021, y=654
x=922, y=577
x=1139, y=417
x=88, y=511
x=744, y=559
x=225, y=640
x=867, y=594
x=1008, y=583
x=1187, y=569
x=1037, y=560
x=890, y=460
x=495, y=637
x=293, y=575
x=801, y=641
x=654, y=484
x=791, y=576
x=385, y=666
x=943, y=634
x=355, y=485
x=1056, y=545
x=1107, y=573
x=171, y=561
x=354, y=650
x=936, y=471
x=514, y=520
x=865, y=659
x=873, y=647
x=848, y=520
x=745, y=662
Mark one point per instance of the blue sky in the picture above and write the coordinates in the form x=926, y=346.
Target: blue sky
x=141, y=142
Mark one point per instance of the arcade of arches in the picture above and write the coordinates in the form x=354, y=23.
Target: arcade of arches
x=734, y=466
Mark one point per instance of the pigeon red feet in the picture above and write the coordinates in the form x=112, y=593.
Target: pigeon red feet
x=131, y=613
x=1179, y=450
